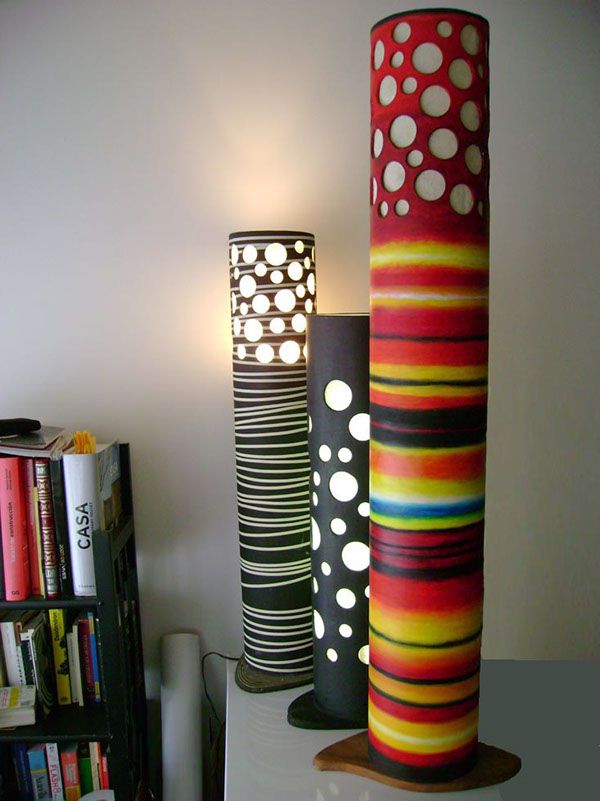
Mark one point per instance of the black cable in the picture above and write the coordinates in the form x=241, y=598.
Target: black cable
x=204, y=684
x=215, y=739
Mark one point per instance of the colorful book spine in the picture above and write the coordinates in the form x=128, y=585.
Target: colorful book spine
x=20, y=762
x=70, y=772
x=54, y=774
x=58, y=632
x=85, y=769
x=13, y=521
x=49, y=553
x=33, y=528
x=85, y=657
x=94, y=656
x=60, y=527
x=83, y=518
x=39, y=773
x=104, y=776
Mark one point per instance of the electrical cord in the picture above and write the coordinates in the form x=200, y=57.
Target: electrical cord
x=215, y=738
x=204, y=683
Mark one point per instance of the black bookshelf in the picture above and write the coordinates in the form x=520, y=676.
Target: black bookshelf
x=119, y=721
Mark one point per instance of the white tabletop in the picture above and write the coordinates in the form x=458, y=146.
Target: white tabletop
x=547, y=712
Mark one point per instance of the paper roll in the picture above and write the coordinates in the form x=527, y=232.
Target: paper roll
x=180, y=696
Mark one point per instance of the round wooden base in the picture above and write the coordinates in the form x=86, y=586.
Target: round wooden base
x=351, y=756
x=305, y=713
x=255, y=681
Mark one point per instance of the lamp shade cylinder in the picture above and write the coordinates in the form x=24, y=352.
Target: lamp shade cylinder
x=338, y=409
x=428, y=374
x=272, y=276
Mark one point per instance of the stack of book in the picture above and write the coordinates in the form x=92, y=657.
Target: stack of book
x=51, y=501
x=57, y=655
x=53, y=772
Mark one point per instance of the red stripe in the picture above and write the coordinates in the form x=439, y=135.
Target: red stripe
x=406, y=539
x=446, y=665
x=417, y=714
x=459, y=354
x=433, y=321
x=428, y=276
x=417, y=595
x=398, y=401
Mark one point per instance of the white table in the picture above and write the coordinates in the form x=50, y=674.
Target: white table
x=547, y=712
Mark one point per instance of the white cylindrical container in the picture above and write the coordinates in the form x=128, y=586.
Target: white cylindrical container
x=180, y=696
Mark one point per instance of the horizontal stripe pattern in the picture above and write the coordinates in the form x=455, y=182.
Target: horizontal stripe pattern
x=428, y=394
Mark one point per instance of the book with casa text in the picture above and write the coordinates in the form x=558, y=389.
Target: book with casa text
x=93, y=501
x=17, y=706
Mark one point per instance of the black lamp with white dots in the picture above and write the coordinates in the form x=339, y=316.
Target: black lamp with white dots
x=338, y=409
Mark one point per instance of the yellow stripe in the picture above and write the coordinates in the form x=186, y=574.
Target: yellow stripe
x=423, y=693
x=426, y=303
x=405, y=452
x=429, y=372
x=428, y=391
x=425, y=524
x=411, y=657
x=427, y=738
x=424, y=627
x=416, y=490
x=430, y=253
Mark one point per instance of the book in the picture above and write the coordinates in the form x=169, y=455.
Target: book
x=70, y=772
x=13, y=521
x=46, y=510
x=60, y=527
x=33, y=531
x=54, y=774
x=17, y=706
x=20, y=762
x=104, y=775
x=11, y=625
x=35, y=637
x=85, y=658
x=49, y=441
x=39, y=772
x=85, y=769
x=90, y=481
x=75, y=665
x=58, y=632
x=92, y=625
x=96, y=764
x=76, y=697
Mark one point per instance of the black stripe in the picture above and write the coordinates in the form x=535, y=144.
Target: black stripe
x=447, y=644
x=455, y=417
x=419, y=775
x=402, y=701
x=434, y=574
x=459, y=551
x=406, y=382
x=426, y=439
x=389, y=548
x=426, y=682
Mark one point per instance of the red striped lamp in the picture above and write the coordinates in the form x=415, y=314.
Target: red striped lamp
x=428, y=368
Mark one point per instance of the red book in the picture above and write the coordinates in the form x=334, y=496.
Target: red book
x=31, y=501
x=70, y=772
x=85, y=654
x=104, y=777
x=49, y=549
x=13, y=520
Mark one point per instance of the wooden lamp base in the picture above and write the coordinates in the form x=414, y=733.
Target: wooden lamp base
x=255, y=681
x=352, y=756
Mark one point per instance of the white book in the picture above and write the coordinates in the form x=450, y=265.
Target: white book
x=17, y=706
x=75, y=668
x=71, y=657
x=10, y=629
x=54, y=774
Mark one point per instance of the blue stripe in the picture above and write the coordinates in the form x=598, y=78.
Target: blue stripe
x=391, y=509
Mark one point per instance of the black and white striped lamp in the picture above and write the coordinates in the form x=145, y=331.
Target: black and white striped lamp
x=338, y=408
x=272, y=275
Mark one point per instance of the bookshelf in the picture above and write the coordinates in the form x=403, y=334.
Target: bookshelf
x=119, y=721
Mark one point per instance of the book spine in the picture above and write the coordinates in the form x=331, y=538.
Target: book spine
x=85, y=657
x=25, y=649
x=39, y=647
x=94, y=656
x=60, y=527
x=31, y=501
x=58, y=632
x=70, y=774
x=49, y=553
x=71, y=658
x=76, y=669
x=96, y=763
x=85, y=769
x=81, y=496
x=10, y=647
x=22, y=772
x=53, y=760
x=39, y=773
x=13, y=521
x=105, y=778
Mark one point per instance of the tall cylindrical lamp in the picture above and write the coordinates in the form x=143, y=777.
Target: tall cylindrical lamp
x=272, y=275
x=338, y=409
x=429, y=344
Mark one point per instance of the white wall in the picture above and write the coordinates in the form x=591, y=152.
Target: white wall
x=135, y=135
